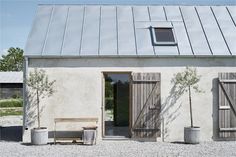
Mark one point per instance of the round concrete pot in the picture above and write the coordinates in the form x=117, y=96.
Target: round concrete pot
x=192, y=135
x=39, y=136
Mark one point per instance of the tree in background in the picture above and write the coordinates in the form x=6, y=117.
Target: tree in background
x=13, y=61
x=109, y=87
x=108, y=93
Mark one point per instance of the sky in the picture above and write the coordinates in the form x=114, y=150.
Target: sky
x=16, y=16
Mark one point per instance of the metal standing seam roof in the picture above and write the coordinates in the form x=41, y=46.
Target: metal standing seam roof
x=11, y=77
x=122, y=30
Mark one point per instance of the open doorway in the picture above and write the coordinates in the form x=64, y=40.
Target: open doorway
x=117, y=105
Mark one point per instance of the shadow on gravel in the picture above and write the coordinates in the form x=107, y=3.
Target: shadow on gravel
x=58, y=143
x=65, y=143
x=178, y=142
x=181, y=142
x=27, y=144
x=11, y=133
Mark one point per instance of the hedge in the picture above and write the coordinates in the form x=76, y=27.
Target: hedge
x=11, y=103
x=109, y=103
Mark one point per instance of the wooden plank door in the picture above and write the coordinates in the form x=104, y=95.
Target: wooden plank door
x=146, y=105
x=227, y=105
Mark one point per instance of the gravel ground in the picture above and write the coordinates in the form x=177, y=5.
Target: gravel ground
x=11, y=121
x=121, y=149
x=113, y=148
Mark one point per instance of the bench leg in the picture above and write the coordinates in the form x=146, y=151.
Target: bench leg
x=95, y=137
x=55, y=133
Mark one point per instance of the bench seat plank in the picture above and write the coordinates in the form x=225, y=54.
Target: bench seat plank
x=76, y=119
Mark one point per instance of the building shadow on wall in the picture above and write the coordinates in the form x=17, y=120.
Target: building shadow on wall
x=11, y=133
x=31, y=110
x=215, y=112
x=170, y=110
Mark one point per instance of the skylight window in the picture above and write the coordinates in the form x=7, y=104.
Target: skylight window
x=163, y=36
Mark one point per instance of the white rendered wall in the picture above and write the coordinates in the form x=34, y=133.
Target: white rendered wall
x=79, y=91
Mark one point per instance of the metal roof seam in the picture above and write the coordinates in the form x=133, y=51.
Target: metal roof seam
x=175, y=37
x=149, y=16
x=149, y=29
x=135, y=40
x=221, y=31
x=48, y=27
x=203, y=30
x=231, y=16
x=164, y=9
x=186, y=30
x=117, y=49
x=82, y=30
x=66, y=23
x=99, y=30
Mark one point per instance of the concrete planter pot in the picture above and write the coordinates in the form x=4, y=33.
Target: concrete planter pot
x=192, y=135
x=39, y=136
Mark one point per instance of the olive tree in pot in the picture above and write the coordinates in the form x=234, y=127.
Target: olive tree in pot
x=187, y=81
x=39, y=87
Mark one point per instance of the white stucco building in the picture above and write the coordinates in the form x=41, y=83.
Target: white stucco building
x=81, y=46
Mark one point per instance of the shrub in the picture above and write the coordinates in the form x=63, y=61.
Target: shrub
x=109, y=103
x=11, y=103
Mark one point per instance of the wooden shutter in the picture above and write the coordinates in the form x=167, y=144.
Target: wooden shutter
x=227, y=105
x=146, y=105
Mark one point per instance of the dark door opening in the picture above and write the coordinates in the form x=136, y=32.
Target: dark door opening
x=117, y=104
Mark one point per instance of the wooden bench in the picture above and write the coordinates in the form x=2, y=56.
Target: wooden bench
x=73, y=120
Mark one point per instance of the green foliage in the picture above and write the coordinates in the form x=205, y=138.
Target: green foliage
x=189, y=77
x=13, y=61
x=39, y=88
x=184, y=82
x=11, y=103
x=38, y=83
x=108, y=87
x=109, y=103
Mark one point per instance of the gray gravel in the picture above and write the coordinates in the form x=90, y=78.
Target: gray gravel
x=121, y=148
x=11, y=121
x=114, y=148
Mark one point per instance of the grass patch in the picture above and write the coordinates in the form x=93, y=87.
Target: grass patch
x=10, y=111
x=11, y=103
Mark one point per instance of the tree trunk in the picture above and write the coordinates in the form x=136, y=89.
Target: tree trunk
x=38, y=109
x=190, y=103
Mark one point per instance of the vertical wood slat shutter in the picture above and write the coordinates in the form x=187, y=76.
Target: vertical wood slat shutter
x=227, y=105
x=146, y=105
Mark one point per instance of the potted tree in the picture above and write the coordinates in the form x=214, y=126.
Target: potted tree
x=39, y=87
x=187, y=81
